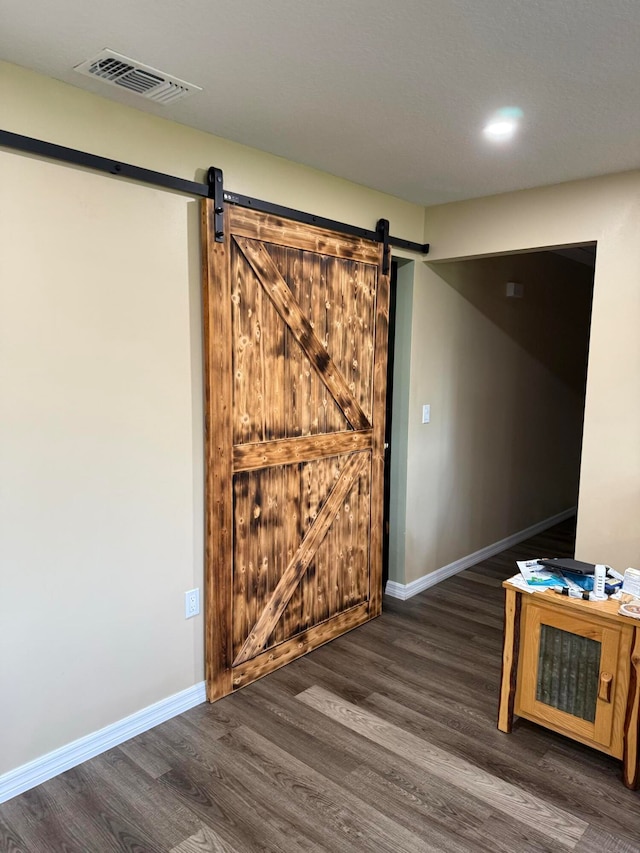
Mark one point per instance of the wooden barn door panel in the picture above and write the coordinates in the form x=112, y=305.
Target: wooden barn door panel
x=296, y=324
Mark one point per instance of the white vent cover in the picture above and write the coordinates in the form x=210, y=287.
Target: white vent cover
x=140, y=79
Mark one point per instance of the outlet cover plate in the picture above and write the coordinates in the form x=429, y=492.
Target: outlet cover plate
x=191, y=603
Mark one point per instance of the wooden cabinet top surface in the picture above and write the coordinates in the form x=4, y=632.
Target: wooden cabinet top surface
x=604, y=609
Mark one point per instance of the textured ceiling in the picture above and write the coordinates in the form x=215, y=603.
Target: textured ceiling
x=393, y=96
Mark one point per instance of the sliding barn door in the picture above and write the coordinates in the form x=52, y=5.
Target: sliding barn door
x=295, y=332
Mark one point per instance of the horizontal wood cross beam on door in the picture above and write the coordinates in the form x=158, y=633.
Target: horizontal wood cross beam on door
x=258, y=204
x=302, y=558
x=287, y=451
x=289, y=310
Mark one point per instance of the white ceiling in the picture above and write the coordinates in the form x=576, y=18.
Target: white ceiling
x=390, y=95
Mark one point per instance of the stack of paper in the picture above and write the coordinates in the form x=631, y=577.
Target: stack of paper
x=538, y=577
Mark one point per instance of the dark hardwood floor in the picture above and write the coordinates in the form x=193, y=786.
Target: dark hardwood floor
x=383, y=740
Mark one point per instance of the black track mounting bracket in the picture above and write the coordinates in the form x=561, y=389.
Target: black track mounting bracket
x=382, y=230
x=216, y=192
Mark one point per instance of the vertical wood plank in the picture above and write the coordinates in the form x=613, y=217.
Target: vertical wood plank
x=294, y=355
x=335, y=545
x=273, y=349
x=277, y=510
x=362, y=508
x=309, y=505
x=334, y=270
x=353, y=320
x=320, y=609
x=339, y=351
x=294, y=531
x=264, y=535
x=216, y=280
x=308, y=381
x=315, y=299
x=512, y=607
x=349, y=539
x=631, y=762
x=247, y=369
x=242, y=564
x=321, y=398
x=381, y=333
x=262, y=329
x=368, y=331
x=274, y=533
x=356, y=334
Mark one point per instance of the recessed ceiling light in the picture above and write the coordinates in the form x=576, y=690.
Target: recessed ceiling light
x=503, y=124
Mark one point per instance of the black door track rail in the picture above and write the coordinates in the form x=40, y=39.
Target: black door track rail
x=214, y=189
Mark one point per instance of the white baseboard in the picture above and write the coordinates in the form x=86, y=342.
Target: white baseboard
x=47, y=766
x=405, y=591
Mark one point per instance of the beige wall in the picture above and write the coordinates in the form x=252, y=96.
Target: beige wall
x=505, y=380
x=100, y=478
x=100, y=388
x=606, y=210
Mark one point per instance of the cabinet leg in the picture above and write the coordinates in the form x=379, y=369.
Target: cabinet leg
x=631, y=770
x=512, y=607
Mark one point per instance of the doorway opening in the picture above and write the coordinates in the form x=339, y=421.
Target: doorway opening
x=501, y=359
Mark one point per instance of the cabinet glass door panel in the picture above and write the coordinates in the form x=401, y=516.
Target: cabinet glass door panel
x=568, y=672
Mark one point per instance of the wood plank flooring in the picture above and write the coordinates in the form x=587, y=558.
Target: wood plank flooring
x=383, y=740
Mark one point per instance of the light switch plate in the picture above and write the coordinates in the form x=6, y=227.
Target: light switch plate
x=426, y=413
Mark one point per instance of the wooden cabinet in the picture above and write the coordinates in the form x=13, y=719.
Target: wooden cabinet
x=574, y=667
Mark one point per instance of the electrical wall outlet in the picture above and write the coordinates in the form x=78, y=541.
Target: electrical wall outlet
x=191, y=603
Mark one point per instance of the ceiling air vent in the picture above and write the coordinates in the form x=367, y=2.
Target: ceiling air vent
x=140, y=79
